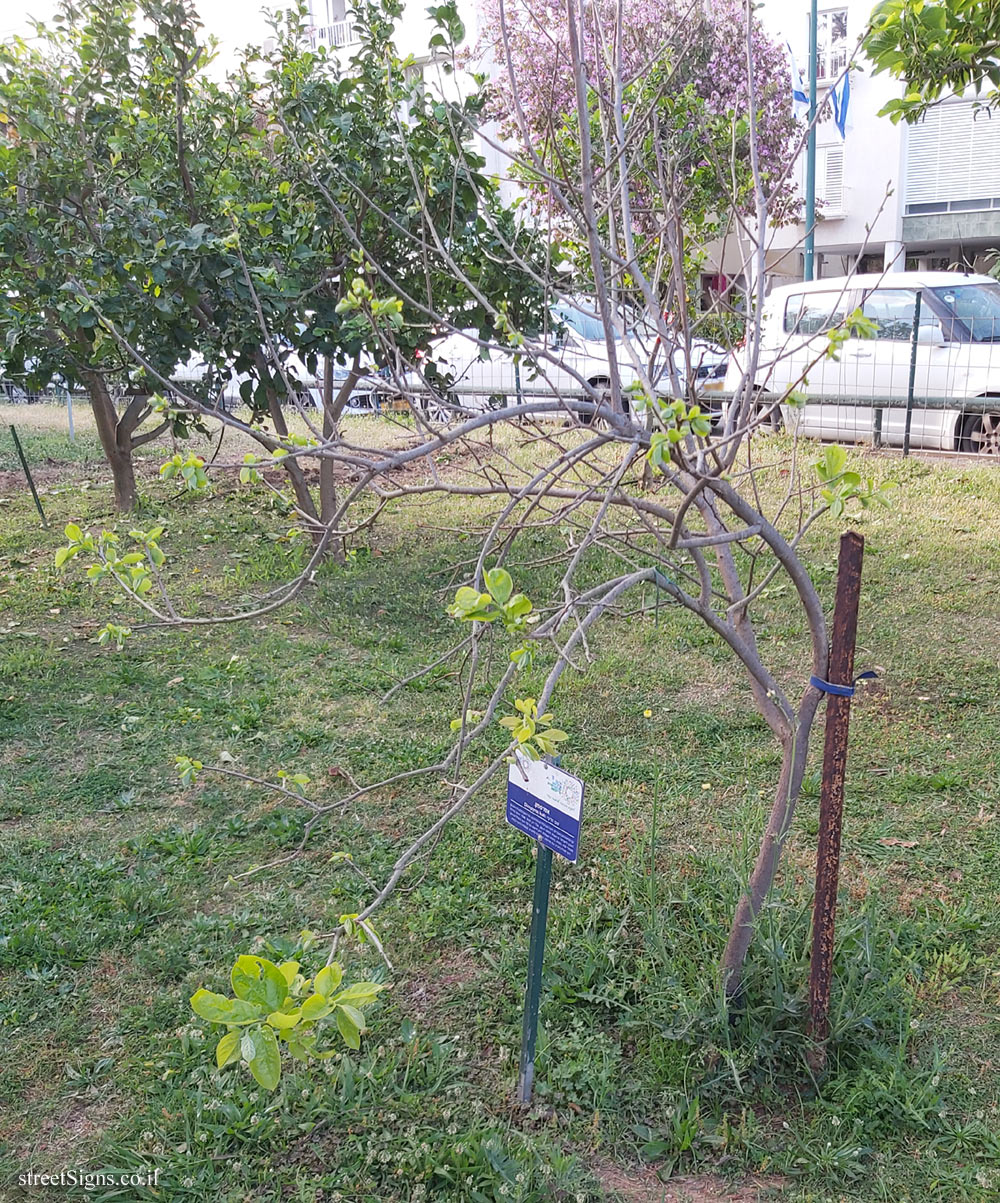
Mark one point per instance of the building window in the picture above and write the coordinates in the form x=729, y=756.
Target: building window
x=831, y=43
x=830, y=179
x=952, y=162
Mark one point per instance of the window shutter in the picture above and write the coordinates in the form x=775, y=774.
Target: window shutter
x=952, y=155
x=830, y=179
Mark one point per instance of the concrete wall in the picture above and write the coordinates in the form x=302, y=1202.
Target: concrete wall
x=939, y=228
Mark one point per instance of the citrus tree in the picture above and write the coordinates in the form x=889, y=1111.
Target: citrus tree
x=161, y=225
x=936, y=47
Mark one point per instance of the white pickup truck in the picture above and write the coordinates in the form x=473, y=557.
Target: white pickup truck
x=956, y=357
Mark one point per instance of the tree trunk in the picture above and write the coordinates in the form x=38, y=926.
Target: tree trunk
x=300, y=486
x=116, y=442
x=333, y=407
x=793, y=763
x=327, y=484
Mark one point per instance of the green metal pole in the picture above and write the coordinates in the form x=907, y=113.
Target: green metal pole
x=27, y=473
x=809, y=269
x=536, y=953
x=913, y=375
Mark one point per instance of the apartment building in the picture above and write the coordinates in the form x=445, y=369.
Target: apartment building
x=330, y=24
x=891, y=197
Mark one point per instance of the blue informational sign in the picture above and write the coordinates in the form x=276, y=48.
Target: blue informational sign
x=546, y=803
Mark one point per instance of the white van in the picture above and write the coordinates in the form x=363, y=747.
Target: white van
x=957, y=356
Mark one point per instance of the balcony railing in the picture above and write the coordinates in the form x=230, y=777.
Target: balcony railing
x=340, y=33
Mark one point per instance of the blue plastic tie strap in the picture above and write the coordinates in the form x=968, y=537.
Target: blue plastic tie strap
x=841, y=691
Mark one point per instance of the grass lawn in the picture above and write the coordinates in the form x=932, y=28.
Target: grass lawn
x=121, y=889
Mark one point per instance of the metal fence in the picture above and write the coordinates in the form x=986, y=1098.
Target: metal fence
x=951, y=423
x=928, y=398
x=13, y=394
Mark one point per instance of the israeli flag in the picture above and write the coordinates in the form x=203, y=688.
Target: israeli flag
x=840, y=97
x=800, y=99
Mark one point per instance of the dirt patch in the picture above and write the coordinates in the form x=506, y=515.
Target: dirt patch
x=640, y=1184
x=42, y=474
x=454, y=969
x=68, y=1135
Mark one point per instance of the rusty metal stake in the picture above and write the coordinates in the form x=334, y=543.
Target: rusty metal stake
x=831, y=805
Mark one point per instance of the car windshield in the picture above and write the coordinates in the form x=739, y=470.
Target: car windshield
x=587, y=324
x=976, y=306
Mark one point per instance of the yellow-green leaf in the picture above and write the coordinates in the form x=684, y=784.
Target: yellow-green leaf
x=278, y=1019
x=328, y=979
x=228, y=1049
x=265, y=1064
x=315, y=1007
x=349, y=1027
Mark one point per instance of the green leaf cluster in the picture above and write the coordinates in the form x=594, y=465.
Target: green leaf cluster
x=249, y=473
x=111, y=632
x=188, y=769
x=499, y=601
x=132, y=570
x=275, y=1006
x=674, y=421
x=842, y=486
x=533, y=732
x=294, y=782
x=935, y=47
x=190, y=468
x=855, y=325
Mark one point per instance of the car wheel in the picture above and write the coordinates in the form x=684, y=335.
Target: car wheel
x=438, y=411
x=762, y=402
x=602, y=387
x=444, y=410
x=981, y=434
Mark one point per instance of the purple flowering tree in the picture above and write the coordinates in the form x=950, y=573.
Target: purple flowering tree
x=684, y=65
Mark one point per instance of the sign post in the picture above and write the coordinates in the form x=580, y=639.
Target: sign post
x=536, y=954
x=546, y=803
x=809, y=256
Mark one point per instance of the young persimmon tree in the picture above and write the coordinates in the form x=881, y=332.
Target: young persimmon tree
x=626, y=466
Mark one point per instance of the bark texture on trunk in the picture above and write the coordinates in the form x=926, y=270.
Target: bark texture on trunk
x=333, y=407
x=116, y=440
x=793, y=763
x=300, y=486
